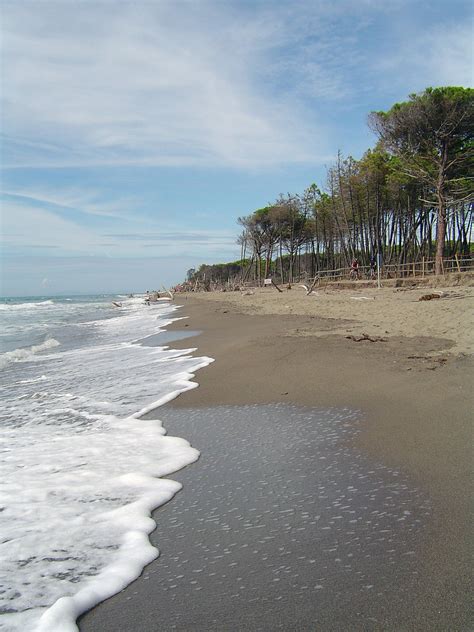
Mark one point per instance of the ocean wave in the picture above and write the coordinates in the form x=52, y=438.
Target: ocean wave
x=41, y=378
x=93, y=478
x=25, y=354
x=31, y=305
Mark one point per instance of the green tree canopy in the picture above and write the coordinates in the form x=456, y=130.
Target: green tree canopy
x=433, y=135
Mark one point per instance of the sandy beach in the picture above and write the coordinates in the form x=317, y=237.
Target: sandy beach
x=404, y=368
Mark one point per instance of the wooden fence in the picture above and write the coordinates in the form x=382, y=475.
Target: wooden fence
x=416, y=269
x=421, y=268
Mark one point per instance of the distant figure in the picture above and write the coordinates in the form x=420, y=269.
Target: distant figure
x=354, y=274
x=147, y=298
x=373, y=267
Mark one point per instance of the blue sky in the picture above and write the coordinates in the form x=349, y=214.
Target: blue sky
x=134, y=134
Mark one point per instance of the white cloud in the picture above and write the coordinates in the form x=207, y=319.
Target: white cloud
x=208, y=83
x=437, y=56
x=451, y=61
x=87, y=202
x=27, y=229
x=149, y=84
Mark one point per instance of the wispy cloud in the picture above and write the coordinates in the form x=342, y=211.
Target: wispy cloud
x=85, y=201
x=204, y=83
x=29, y=229
x=25, y=227
x=142, y=87
x=436, y=56
x=214, y=241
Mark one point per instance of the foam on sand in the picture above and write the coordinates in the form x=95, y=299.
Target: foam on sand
x=81, y=470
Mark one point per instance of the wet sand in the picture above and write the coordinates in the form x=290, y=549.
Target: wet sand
x=414, y=424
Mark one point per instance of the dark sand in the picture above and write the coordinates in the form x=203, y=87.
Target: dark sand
x=409, y=571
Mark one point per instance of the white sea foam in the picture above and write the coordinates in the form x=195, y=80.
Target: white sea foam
x=89, y=506
x=23, y=355
x=21, y=306
x=41, y=378
x=81, y=470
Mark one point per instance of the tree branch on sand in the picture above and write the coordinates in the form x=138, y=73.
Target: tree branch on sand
x=309, y=290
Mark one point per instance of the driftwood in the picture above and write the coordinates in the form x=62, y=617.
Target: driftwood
x=366, y=337
x=310, y=289
x=116, y=304
x=430, y=297
x=155, y=296
x=438, y=362
x=168, y=292
x=430, y=359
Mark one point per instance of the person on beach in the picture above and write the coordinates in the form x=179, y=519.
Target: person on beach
x=354, y=269
x=373, y=266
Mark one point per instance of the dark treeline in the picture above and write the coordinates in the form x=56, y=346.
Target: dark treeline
x=409, y=198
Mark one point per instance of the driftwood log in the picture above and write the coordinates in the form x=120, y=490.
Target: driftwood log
x=310, y=289
x=167, y=292
x=366, y=337
x=430, y=297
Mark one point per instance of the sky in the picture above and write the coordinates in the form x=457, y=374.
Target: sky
x=134, y=134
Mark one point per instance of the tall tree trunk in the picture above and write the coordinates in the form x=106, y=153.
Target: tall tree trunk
x=441, y=227
x=281, y=262
x=440, y=233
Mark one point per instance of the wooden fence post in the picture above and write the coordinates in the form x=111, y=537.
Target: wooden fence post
x=457, y=262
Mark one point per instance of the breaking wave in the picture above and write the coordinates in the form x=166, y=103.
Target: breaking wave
x=25, y=354
x=30, y=305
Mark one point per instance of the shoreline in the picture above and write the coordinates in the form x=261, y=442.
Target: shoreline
x=416, y=419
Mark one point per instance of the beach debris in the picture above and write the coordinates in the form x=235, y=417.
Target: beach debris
x=366, y=337
x=430, y=297
x=443, y=295
x=363, y=298
x=309, y=290
x=438, y=362
x=116, y=304
x=167, y=292
x=417, y=357
x=155, y=296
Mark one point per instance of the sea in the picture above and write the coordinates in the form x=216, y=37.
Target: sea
x=81, y=468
